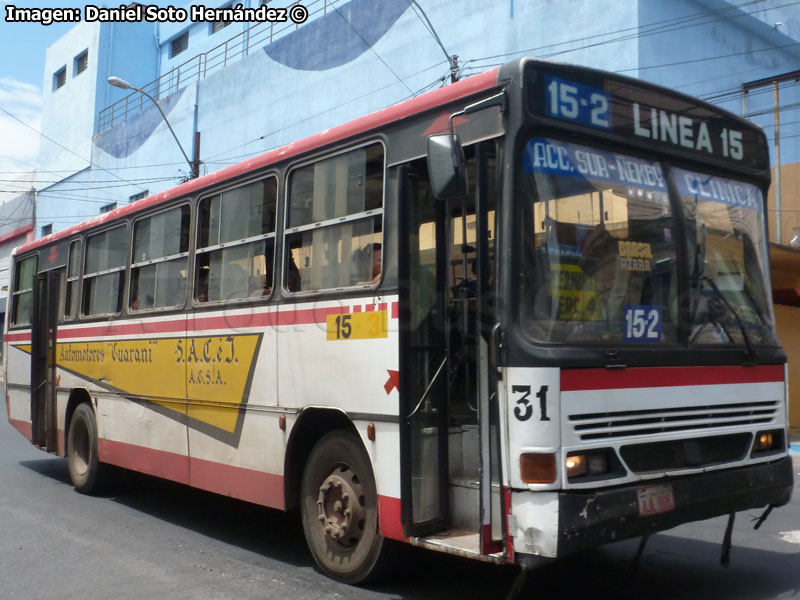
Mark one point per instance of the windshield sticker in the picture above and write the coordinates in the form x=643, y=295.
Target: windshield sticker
x=576, y=295
x=635, y=256
x=642, y=323
x=571, y=160
x=718, y=189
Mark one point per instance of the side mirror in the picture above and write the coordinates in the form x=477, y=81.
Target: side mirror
x=447, y=167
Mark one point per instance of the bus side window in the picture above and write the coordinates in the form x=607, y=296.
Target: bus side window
x=160, y=260
x=22, y=297
x=236, y=243
x=73, y=274
x=104, y=271
x=335, y=222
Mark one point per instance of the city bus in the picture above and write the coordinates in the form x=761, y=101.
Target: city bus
x=519, y=316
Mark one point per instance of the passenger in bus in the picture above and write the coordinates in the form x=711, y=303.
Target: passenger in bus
x=293, y=276
x=259, y=287
x=202, y=284
x=376, y=263
x=147, y=303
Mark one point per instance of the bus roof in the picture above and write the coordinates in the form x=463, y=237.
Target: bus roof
x=461, y=89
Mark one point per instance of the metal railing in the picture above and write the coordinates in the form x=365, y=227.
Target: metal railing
x=201, y=65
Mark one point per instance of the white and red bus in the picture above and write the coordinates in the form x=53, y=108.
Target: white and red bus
x=518, y=316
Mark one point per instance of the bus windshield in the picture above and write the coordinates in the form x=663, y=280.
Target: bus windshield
x=599, y=251
x=599, y=260
x=725, y=235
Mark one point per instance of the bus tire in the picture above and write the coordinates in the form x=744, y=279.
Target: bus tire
x=86, y=472
x=339, y=509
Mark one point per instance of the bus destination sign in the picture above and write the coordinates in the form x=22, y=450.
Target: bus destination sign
x=623, y=107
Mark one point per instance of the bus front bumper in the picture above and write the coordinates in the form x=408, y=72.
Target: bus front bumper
x=587, y=519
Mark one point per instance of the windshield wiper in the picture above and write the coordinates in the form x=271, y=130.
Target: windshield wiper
x=751, y=352
x=699, y=276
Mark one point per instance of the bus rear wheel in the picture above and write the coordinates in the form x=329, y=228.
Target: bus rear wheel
x=339, y=509
x=86, y=472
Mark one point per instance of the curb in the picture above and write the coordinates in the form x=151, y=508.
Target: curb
x=794, y=449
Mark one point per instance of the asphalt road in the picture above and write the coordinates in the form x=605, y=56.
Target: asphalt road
x=155, y=539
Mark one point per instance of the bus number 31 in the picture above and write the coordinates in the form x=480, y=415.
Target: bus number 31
x=524, y=409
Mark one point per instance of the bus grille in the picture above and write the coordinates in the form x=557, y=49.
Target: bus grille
x=633, y=423
x=686, y=454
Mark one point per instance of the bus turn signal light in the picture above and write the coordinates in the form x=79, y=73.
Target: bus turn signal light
x=538, y=468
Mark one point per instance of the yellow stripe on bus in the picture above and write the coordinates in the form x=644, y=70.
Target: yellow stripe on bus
x=212, y=372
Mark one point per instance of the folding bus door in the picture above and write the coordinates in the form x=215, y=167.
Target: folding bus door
x=46, y=289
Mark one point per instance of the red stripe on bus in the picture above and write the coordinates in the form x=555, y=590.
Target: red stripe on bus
x=389, y=518
x=311, y=316
x=573, y=380
x=509, y=534
x=160, y=463
x=18, y=337
x=437, y=98
x=237, y=482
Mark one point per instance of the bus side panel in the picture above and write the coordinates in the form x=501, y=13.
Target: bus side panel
x=235, y=441
x=134, y=436
x=323, y=363
x=351, y=364
x=18, y=382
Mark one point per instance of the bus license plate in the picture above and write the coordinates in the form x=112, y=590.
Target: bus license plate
x=655, y=500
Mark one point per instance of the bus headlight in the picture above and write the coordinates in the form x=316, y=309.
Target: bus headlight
x=769, y=441
x=590, y=463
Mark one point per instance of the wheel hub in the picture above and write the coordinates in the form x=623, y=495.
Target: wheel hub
x=340, y=505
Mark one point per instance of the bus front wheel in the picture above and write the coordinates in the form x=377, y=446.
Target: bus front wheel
x=85, y=470
x=339, y=509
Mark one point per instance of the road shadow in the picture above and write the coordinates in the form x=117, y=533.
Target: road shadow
x=54, y=468
x=671, y=567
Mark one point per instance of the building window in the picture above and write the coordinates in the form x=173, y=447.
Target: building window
x=81, y=63
x=60, y=78
x=179, y=44
x=219, y=25
x=139, y=196
x=47, y=229
x=108, y=207
x=335, y=222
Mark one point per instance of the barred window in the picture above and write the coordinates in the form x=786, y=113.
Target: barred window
x=236, y=243
x=139, y=196
x=23, y=291
x=160, y=261
x=334, y=229
x=60, y=78
x=179, y=44
x=104, y=272
x=81, y=63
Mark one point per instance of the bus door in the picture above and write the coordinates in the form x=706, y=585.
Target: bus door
x=473, y=315
x=46, y=294
x=447, y=390
x=424, y=355
x=482, y=319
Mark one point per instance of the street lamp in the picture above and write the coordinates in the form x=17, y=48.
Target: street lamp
x=194, y=166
